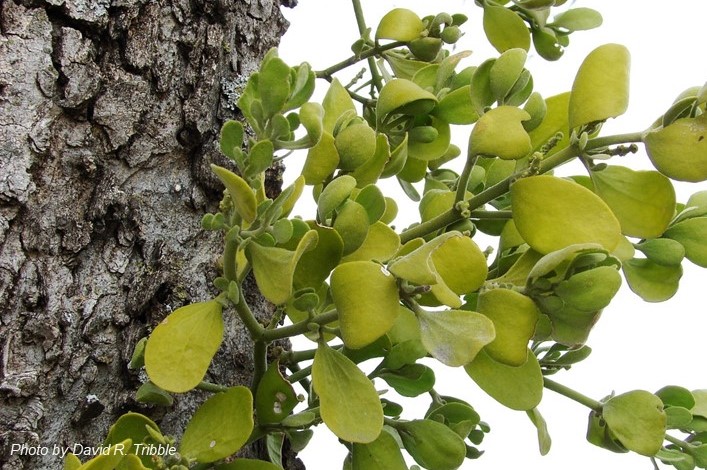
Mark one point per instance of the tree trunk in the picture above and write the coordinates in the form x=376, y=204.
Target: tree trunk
x=109, y=118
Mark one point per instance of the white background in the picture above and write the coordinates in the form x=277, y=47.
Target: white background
x=636, y=345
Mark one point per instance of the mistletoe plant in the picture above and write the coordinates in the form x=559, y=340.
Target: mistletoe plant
x=364, y=292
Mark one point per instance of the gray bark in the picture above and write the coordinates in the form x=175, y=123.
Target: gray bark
x=109, y=115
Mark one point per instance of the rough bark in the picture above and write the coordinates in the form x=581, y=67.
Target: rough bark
x=109, y=114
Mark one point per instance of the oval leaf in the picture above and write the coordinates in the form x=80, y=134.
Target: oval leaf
x=180, y=349
x=242, y=195
x=643, y=201
x=500, y=133
x=552, y=213
x=381, y=454
x=691, y=234
x=679, y=151
x=637, y=420
x=366, y=297
x=400, y=24
x=220, y=426
x=432, y=444
x=518, y=388
x=504, y=29
x=514, y=317
x=600, y=89
x=349, y=403
x=454, y=337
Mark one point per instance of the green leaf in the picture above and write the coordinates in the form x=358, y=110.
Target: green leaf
x=311, y=115
x=241, y=194
x=369, y=172
x=578, y=19
x=248, y=464
x=337, y=103
x=505, y=72
x=551, y=213
x=643, y=201
x=400, y=96
x=455, y=337
x=451, y=264
x=673, y=395
x=274, y=78
x=302, y=86
x=349, y=403
x=352, y=224
x=180, y=349
x=700, y=407
x=260, y=158
x=544, y=439
x=275, y=398
x=366, y=297
x=411, y=380
x=133, y=426
x=600, y=89
x=456, y=107
x=651, y=281
x=315, y=265
x=356, y=144
x=71, y=462
x=433, y=445
x=514, y=317
x=433, y=150
x=322, y=160
x=231, y=138
x=518, y=388
x=381, y=244
x=151, y=393
x=381, y=454
x=110, y=459
x=691, y=234
x=274, y=267
x=220, y=426
x=637, y=420
x=679, y=151
x=334, y=195
x=500, y=133
x=400, y=24
x=504, y=29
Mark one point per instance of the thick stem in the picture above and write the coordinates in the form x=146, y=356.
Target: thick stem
x=300, y=375
x=572, y=394
x=361, y=22
x=256, y=330
x=300, y=327
x=328, y=73
x=211, y=387
x=463, y=181
x=260, y=363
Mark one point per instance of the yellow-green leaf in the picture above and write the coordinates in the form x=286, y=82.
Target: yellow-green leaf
x=337, y=101
x=381, y=454
x=110, y=459
x=355, y=144
x=366, y=297
x=643, y=201
x=514, y=317
x=248, y=464
x=400, y=24
x=679, y=151
x=432, y=150
x=242, y=195
x=518, y=388
x=456, y=107
x=348, y=401
x=180, y=349
x=381, y=244
x=504, y=29
x=500, y=133
x=134, y=426
x=600, y=89
x=71, y=462
x=352, y=224
x=220, y=426
x=505, y=72
x=552, y=213
x=322, y=160
x=454, y=337
x=692, y=234
x=274, y=267
x=555, y=121
x=638, y=421
x=400, y=96
x=651, y=281
x=371, y=170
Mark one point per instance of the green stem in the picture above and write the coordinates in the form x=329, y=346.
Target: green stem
x=293, y=357
x=260, y=363
x=256, y=330
x=361, y=22
x=300, y=375
x=572, y=394
x=463, y=181
x=304, y=381
x=230, y=270
x=300, y=327
x=480, y=214
x=211, y=387
x=328, y=73
x=679, y=442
